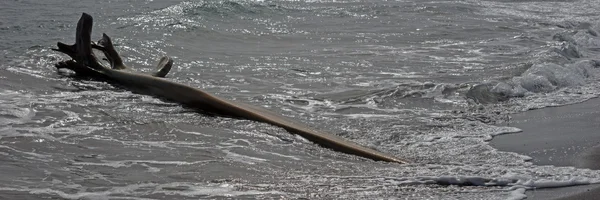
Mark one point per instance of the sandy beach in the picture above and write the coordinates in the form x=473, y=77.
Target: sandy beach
x=559, y=136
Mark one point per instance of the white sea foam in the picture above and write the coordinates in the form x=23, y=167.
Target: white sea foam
x=226, y=190
x=447, y=147
x=243, y=158
x=130, y=191
x=129, y=163
x=517, y=194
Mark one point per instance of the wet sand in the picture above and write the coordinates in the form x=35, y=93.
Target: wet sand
x=559, y=136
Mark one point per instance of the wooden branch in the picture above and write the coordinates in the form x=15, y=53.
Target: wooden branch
x=110, y=52
x=112, y=56
x=84, y=58
x=66, y=49
x=164, y=66
x=84, y=62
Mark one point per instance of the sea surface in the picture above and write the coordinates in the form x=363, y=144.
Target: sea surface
x=428, y=81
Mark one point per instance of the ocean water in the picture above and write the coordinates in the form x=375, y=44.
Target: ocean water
x=428, y=81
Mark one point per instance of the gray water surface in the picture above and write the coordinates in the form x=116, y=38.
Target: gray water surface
x=428, y=81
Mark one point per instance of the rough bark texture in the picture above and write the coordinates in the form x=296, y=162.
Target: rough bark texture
x=85, y=63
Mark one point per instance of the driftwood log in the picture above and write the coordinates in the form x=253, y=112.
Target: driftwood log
x=84, y=63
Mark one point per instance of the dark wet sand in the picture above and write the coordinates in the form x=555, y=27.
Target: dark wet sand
x=560, y=136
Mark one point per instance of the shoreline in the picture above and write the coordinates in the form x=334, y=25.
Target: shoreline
x=560, y=136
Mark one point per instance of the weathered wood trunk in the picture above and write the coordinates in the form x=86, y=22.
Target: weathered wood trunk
x=85, y=63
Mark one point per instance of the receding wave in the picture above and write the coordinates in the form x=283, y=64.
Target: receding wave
x=568, y=67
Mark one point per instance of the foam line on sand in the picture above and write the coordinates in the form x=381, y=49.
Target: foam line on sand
x=560, y=136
